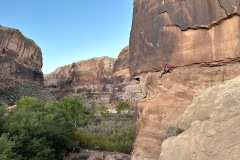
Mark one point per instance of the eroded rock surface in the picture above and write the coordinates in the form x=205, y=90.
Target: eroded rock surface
x=215, y=129
x=85, y=79
x=20, y=68
x=20, y=57
x=167, y=99
x=95, y=80
x=200, y=39
x=217, y=100
x=183, y=32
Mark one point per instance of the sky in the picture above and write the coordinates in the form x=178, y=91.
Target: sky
x=73, y=30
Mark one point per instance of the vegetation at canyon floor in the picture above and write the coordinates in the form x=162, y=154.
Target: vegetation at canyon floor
x=44, y=131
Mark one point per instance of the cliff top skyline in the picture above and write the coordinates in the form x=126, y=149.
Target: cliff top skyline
x=71, y=31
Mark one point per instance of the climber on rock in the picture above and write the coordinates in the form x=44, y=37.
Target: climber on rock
x=167, y=69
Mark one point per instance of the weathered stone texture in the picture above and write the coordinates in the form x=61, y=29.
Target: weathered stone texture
x=20, y=68
x=213, y=126
x=167, y=99
x=95, y=80
x=183, y=32
x=122, y=62
x=20, y=57
x=89, y=80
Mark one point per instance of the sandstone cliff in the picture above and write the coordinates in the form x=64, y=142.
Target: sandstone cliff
x=20, y=57
x=200, y=39
x=183, y=32
x=95, y=80
x=20, y=67
x=167, y=99
x=85, y=79
x=214, y=133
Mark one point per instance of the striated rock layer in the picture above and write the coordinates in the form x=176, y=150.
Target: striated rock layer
x=85, y=79
x=183, y=32
x=215, y=129
x=200, y=39
x=20, y=68
x=20, y=57
x=98, y=79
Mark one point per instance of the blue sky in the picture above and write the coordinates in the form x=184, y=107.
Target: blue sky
x=73, y=30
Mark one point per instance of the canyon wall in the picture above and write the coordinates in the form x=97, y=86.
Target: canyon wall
x=85, y=79
x=21, y=58
x=103, y=80
x=20, y=68
x=183, y=32
x=200, y=39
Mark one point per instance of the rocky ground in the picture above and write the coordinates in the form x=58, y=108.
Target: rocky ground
x=96, y=155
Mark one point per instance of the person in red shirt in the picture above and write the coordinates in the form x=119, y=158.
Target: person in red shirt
x=167, y=69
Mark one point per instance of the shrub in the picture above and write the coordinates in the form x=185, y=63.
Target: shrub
x=122, y=106
x=173, y=131
x=28, y=103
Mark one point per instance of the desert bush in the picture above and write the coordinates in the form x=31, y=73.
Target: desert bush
x=173, y=131
x=122, y=106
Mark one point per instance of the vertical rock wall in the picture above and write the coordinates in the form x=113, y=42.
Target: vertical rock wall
x=183, y=32
x=89, y=80
x=20, y=68
x=200, y=39
x=20, y=57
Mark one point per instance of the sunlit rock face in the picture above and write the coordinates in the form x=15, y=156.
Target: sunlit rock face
x=20, y=68
x=200, y=39
x=21, y=58
x=212, y=126
x=103, y=80
x=168, y=97
x=183, y=32
x=88, y=79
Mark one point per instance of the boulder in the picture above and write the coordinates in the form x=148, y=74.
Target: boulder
x=212, y=123
x=166, y=100
x=213, y=101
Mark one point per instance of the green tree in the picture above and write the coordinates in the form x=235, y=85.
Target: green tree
x=6, y=149
x=38, y=132
x=2, y=118
x=74, y=108
x=28, y=102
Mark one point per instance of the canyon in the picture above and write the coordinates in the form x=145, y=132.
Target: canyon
x=102, y=80
x=200, y=39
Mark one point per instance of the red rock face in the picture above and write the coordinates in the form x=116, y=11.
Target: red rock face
x=86, y=79
x=20, y=57
x=183, y=32
x=20, y=68
x=102, y=80
x=200, y=39
x=122, y=62
x=166, y=100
